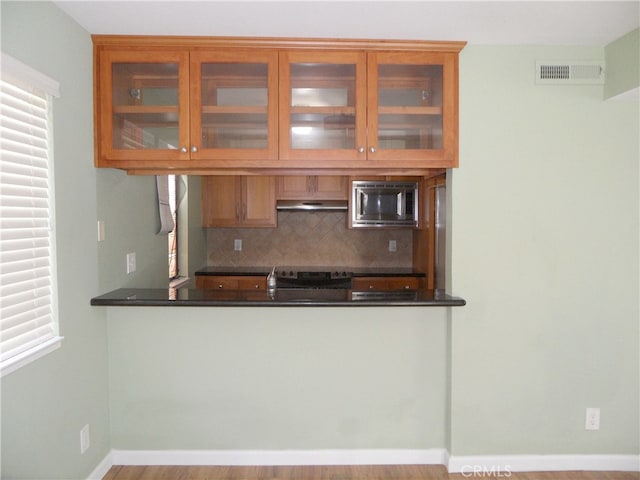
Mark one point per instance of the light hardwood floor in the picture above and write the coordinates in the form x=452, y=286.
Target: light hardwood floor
x=385, y=472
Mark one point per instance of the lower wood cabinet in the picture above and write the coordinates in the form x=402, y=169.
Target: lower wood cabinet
x=387, y=283
x=231, y=282
x=238, y=201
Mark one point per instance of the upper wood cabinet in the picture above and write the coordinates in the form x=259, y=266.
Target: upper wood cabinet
x=176, y=108
x=413, y=108
x=238, y=201
x=268, y=106
x=369, y=109
x=325, y=187
x=234, y=105
x=323, y=106
x=141, y=106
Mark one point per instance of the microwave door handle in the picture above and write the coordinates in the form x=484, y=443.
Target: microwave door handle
x=399, y=205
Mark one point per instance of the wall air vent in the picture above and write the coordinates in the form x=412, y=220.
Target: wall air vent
x=570, y=73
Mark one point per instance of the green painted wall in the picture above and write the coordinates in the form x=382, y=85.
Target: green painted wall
x=623, y=64
x=45, y=404
x=128, y=206
x=545, y=251
x=277, y=378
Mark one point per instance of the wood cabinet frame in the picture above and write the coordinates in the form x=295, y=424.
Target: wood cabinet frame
x=325, y=187
x=275, y=159
x=239, y=201
x=231, y=282
x=400, y=282
x=106, y=155
x=200, y=57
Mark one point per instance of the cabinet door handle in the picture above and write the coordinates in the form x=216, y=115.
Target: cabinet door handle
x=184, y=150
x=194, y=149
x=220, y=286
x=372, y=149
x=361, y=149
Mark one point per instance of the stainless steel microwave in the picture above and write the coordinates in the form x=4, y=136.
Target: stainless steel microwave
x=384, y=204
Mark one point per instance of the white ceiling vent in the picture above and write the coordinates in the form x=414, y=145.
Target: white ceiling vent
x=586, y=72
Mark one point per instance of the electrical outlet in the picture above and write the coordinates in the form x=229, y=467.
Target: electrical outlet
x=85, y=439
x=393, y=246
x=237, y=245
x=131, y=263
x=592, y=419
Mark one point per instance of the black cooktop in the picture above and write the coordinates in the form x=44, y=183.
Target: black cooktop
x=312, y=273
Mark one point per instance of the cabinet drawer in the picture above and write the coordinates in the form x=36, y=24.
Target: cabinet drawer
x=235, y=282
x=404, y=283
x=387, y=283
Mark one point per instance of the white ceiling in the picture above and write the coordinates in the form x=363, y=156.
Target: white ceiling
x=589, y=23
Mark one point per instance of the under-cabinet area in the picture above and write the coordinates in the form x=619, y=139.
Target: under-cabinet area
x=247, y=234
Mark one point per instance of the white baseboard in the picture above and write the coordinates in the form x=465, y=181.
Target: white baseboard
x=538, y=463
x=103, y=467
x=278, y=457
x=438, y=456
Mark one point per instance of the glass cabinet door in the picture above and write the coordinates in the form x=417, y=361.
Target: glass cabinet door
x=322, y=105
x=234, y=96
x=145, y=110
x=412, y=106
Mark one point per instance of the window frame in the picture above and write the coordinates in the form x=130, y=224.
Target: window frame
x=24, y=77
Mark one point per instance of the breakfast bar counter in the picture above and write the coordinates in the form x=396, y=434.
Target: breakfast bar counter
x=281, y=297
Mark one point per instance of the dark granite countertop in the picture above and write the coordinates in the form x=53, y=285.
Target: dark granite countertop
x=357, y=272
x=151, y=297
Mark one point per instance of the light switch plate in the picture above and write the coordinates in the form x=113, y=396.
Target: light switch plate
x=131, y=262
x=101, y=230
x=85, y=439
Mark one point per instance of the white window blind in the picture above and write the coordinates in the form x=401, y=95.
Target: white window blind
x=28, y=316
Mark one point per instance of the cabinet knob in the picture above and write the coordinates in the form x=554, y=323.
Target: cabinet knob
x=184, y=150
x=220, y=286
x=194, y=149
x=372, y=149
x=361, y=149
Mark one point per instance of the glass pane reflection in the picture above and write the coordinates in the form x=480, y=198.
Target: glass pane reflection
x=318, y=131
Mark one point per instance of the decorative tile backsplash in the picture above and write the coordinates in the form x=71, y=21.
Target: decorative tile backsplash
x=310, y=239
